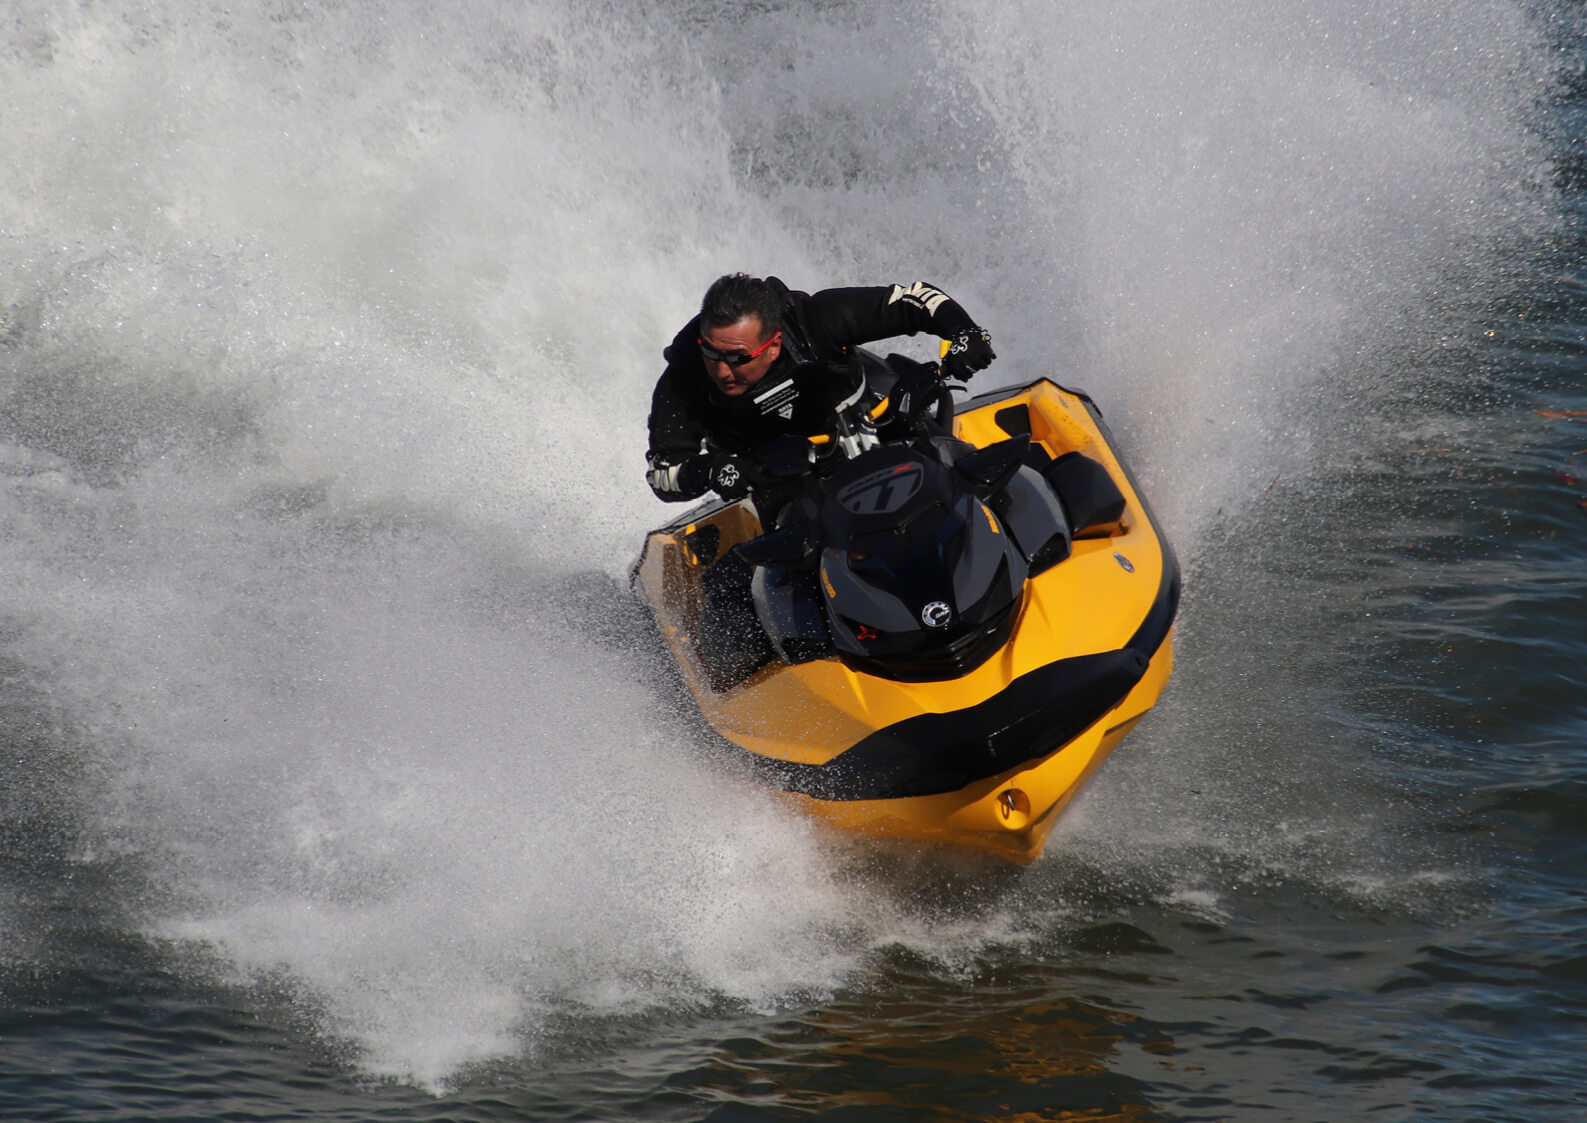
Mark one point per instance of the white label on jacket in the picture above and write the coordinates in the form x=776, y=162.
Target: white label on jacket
x=778, y=399
x=921, y=295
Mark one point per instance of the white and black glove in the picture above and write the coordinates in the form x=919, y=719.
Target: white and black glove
x=721, y=472
x=729, y=476
x=968, y=352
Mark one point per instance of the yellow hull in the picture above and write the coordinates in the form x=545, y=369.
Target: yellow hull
x=1008, y=815
x=1114, y=596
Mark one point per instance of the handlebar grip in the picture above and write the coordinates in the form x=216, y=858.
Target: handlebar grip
x=875, y=414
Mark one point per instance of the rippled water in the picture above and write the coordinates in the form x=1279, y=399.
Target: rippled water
x=322, y=799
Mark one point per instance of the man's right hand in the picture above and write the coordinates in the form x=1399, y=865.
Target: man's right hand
x=968, y=352
x=728, y=476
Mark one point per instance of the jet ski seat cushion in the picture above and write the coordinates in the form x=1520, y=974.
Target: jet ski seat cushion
x=1091, y=499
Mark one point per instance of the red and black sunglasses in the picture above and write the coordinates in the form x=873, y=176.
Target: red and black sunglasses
x=735, y=358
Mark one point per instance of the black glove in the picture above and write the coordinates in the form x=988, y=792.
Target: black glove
x=969, y=351
x=729, y=476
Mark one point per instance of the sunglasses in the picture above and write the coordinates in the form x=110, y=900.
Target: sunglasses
x=735, y=358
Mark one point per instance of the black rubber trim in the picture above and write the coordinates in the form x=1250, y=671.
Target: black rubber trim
x=933, y=753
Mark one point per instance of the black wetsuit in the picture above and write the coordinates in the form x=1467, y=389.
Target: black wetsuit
x=799, y=391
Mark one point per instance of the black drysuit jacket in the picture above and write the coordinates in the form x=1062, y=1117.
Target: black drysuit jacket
x=688, y=414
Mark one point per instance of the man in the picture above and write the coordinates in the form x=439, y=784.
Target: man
x=762, y=361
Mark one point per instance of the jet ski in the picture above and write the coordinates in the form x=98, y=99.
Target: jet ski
x=946, y=628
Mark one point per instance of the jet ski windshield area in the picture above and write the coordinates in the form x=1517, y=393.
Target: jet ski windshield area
x=920, y=583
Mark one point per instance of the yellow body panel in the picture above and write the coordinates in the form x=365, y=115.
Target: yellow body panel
x=1091, y=602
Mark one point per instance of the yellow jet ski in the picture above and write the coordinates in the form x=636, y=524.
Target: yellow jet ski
x=944, y=632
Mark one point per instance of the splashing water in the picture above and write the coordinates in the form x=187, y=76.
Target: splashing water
x=327, y=346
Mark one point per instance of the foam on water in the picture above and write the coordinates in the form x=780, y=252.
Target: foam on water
x=328, y=338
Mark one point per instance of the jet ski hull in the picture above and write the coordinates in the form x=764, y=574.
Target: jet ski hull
x=985, y=759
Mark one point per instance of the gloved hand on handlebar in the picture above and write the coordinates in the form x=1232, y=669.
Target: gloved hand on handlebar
x=676, y=478
x=729, y=476
x=968, y=352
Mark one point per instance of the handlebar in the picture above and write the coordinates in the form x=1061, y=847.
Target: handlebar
x=876, y=413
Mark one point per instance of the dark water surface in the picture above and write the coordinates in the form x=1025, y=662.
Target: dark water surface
x=319, y=801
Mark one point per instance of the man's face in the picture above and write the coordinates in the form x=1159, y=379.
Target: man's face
x=746, y=337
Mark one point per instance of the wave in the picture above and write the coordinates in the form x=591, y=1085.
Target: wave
x=327, y=345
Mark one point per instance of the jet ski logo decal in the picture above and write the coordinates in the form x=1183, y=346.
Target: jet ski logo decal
x=882, y=493
x=936, y=614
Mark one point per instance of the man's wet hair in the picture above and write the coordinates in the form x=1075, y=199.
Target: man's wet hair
x=736, y=295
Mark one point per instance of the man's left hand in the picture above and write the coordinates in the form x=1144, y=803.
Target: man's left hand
x=969, y=351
